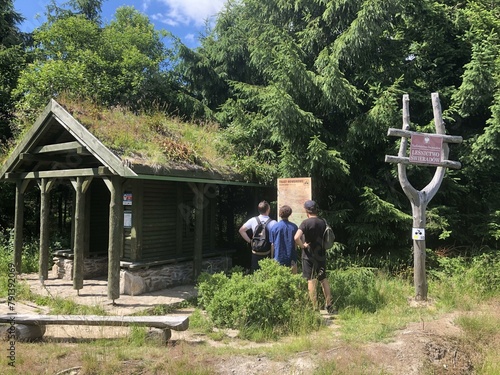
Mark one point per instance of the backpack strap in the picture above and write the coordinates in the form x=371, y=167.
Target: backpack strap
x=260, y=222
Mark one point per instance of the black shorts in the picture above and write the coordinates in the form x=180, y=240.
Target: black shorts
x=313, y=269
x=255, y=261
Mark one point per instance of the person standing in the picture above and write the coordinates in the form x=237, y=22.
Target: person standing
x=283, y=247
x=251, y=224
x=309, y=238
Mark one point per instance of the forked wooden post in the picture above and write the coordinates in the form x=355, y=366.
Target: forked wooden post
x=420, y=198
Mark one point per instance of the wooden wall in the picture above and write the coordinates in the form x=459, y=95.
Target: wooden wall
x=99, y=217
x=168, y=221
x=163, y=219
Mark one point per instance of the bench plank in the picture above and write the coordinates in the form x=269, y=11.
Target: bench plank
x=177, y=323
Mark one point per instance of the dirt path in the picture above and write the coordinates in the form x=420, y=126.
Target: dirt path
x=438, y=345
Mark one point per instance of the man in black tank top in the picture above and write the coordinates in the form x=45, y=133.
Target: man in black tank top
x=309, y=238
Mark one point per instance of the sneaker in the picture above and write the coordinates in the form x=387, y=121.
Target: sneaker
x=331, y=310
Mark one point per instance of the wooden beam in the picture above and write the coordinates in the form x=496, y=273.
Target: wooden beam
x=55, y=158
x=78, y=246
x=101, y=152
x=62, y=173
x=50, y=184
x=115, y=240
x=85, y=183
x=407, y=134
x=29, y=138
x=18, y=225
x=59, y=147
x=175, y=322
x=406, y=161
x=43, y=270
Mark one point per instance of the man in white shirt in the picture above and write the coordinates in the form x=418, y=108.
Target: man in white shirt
x=252, y=223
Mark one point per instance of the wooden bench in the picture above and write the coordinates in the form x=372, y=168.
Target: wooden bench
x=32, y=326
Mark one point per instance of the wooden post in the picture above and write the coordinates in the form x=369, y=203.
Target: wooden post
x=199, y=199
x=18, y=224
x=137, y=210
x=420, y=199
x=78, y=245
x=115, y=243
x=73, y=208
x=43, y=271
x=181, y=218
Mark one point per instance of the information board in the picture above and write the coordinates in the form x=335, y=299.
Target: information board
x=294, y=192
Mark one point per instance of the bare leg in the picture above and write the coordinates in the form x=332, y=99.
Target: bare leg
x=326, y=292
x=311, y=286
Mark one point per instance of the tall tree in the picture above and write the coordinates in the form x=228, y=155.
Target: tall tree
x=11, y=62
x=12, y=58
x=121, y=63
x=90, y=9
x=315, y=84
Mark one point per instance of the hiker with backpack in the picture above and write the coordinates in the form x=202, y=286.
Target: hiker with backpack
x=260, y=227
x=309, y=238
x=283, y=247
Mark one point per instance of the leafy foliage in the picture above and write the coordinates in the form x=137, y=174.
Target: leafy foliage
x=12, y=60
x=118, y=64
x=305, y=88
x=313, y=87
x=479, y=275
x=356, y=287
x=271, y=299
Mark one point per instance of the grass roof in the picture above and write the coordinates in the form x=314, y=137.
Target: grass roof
x=154, y=139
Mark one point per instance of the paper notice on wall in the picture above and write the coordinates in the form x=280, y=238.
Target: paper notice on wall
x=294, y=192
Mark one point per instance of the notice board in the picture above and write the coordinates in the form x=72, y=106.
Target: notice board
x=426, y=149
x=294, y=192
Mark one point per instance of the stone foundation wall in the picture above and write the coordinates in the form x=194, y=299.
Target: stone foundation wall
x=142, y=280
x=136, y=282
x=92, y=267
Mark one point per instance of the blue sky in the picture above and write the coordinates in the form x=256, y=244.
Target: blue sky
x=183, y=18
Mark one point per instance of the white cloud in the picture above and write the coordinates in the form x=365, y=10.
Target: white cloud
x=187, y=12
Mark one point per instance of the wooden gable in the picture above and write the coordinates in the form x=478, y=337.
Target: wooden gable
x=58, y=146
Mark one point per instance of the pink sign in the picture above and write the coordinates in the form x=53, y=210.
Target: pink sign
x=426, y=149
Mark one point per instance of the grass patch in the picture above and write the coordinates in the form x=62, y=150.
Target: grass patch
x=373, y=305
x=482, y=332
x=61, y=306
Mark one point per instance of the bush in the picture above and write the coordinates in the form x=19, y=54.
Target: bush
x=271, y=300
x=29, y=256
x=356, y=287
x=456, y=277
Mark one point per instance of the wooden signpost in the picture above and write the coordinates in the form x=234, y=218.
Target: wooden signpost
x=425, y=150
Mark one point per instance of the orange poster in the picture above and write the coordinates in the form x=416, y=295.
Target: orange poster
x=294, y=192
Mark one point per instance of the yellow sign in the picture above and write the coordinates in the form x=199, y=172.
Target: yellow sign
x=294, y=192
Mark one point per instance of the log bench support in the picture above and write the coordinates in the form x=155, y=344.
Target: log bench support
x=32, y=326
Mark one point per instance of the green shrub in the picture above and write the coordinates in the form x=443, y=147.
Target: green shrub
x=458, y=281
x=356, y=287
x=29, y=255
x=271, y=300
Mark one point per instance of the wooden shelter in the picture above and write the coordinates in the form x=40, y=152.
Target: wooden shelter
x=134, y=213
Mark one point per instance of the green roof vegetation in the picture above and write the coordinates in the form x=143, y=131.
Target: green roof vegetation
x=154, y=139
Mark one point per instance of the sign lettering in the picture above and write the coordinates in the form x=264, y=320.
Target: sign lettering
x=426, y=149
